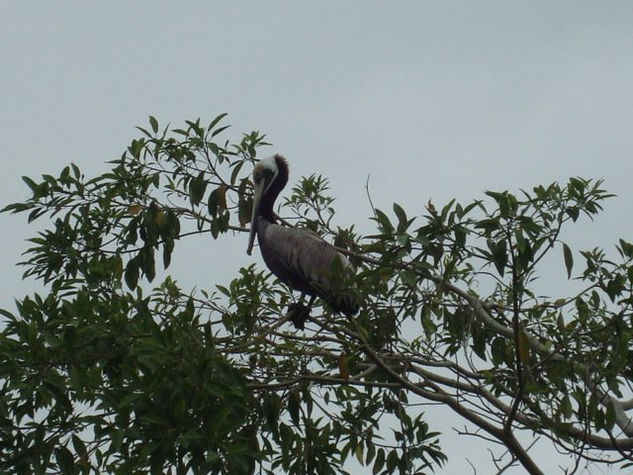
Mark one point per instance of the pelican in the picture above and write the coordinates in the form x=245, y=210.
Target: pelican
x=297, y=256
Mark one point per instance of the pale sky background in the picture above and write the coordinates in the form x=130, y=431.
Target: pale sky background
x=432, y=100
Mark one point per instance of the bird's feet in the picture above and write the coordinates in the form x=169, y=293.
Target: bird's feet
x=298, y=313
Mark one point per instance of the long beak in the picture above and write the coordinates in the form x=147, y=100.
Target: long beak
x=257, y=196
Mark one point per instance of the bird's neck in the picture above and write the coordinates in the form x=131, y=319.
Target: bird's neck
x=266, y=206
x=268, y=200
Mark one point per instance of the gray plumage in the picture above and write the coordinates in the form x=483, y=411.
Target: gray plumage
x=297, y=256
x=304, y=261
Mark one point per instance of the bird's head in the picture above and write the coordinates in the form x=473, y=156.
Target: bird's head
x=270, y=175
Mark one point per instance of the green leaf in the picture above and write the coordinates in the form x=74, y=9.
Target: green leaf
x=147, y=263
x=79, y=447
x=64, y=459
x=403, y=239
x=565, y=407
x=507, y=203
x=212, y=203
x=616, y=286
x=371, y=451
x=76, y=172
x=195, y=126
x=15, y=208
x=446, y=209
x=7, y=314
x=235, y=172
x=578, y=185
x=245, y=210
x=197, y=187
x=499, y=254
x=383, y=220
x=153, y=123
x=219, y=130
x=215, y=121
x=215, y=228
x=401, y=215
x=409, y=278
x=392, y=461
x=31, y=184
x=460, y=236
x=293, y=406
x=479, y=342
x=569, y=259
x=132, y=273
x=222, y=197
x=168, y=247
x=626, y=248
x=380, y=461
x=135, y=149
x=488, y=225
x=224, y=290
x=573, y=212
x=524, y=250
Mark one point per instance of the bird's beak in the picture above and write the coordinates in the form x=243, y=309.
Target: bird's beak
x=257, y=196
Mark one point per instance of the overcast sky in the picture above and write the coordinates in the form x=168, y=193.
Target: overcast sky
x=432, y=100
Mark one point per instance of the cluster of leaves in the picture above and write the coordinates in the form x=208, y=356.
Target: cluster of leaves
x=559, y=366
x=97, y=376
x=104, y=373
x=115, y=383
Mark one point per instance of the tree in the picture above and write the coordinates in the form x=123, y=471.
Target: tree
x=111, y=371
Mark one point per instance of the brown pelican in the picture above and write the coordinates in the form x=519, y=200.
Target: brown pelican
x=298, y=257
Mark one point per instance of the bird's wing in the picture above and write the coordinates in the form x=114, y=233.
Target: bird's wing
x=300, y=257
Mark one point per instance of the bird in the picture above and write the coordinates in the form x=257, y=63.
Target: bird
x=297, y=256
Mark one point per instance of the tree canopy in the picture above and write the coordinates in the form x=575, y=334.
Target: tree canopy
x=113, y=370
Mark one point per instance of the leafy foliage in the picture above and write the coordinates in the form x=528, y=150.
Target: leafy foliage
x=112, y=371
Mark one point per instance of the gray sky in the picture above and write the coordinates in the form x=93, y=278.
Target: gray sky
x=431, y=100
